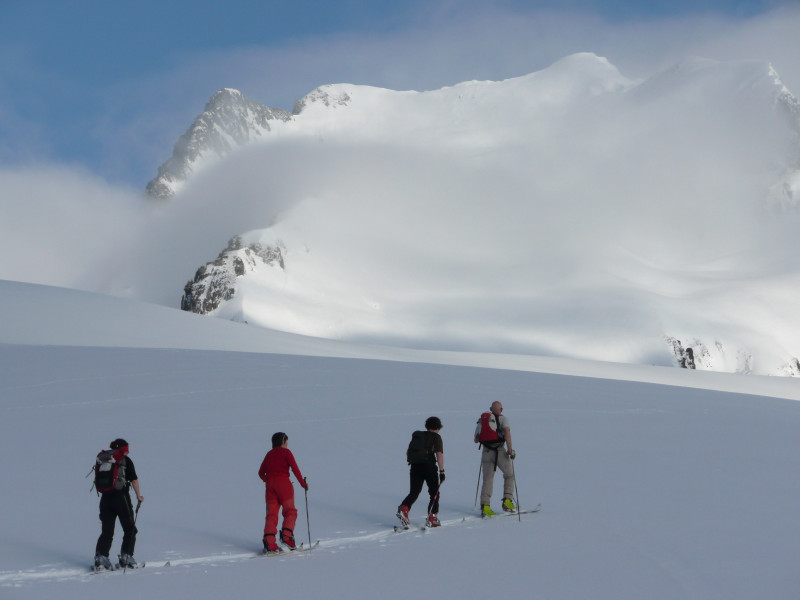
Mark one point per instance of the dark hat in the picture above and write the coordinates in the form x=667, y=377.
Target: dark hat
x=278, y=439
x=118, y=443
x=433, y=423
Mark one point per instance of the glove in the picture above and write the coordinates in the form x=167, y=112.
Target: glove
x=305, y=483
x=512, y=455
x=441, y=476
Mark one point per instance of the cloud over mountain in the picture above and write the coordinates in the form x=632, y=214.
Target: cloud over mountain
x=572, y=211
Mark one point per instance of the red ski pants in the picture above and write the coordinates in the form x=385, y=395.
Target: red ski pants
x=280, y=494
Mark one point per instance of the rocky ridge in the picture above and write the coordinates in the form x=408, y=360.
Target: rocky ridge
x=229, y=120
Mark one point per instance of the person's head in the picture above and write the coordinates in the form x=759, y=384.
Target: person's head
x=497, y=407
x=279, y=439
x=119, y=443
x=433, y=424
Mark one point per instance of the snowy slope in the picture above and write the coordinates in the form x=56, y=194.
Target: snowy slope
x=570, y=212
x=46, y=316
x=648, y=490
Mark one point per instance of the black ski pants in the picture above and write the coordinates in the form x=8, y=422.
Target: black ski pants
x=424, y=473
x=113, y=507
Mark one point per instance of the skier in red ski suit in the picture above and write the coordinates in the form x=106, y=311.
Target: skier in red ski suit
x=274, y=472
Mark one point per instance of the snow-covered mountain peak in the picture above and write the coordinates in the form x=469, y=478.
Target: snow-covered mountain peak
x=329, y=96
x=584, y=72
x=229, y=120
x=225, y=97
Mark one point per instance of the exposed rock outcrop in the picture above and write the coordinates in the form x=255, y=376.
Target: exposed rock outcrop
x=215, y=282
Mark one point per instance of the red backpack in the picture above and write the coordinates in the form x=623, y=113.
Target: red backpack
x=489, y=435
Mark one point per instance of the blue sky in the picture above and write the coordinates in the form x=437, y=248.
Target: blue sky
x=107, y=87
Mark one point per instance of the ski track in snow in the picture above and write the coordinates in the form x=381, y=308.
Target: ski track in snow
x=31, y=576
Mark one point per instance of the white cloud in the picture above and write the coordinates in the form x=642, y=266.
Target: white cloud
x=62, y=226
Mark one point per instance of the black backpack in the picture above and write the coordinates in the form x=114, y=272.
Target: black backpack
x=420, y=448
x=109, y=471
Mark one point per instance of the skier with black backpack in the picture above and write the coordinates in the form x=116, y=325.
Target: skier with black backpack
x=492, y=432
x=114, y=475
x=425, y=455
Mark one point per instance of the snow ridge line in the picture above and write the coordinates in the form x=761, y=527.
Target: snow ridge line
x=12, y=578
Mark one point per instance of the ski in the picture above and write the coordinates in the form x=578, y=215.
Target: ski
x=429, y=526
x=304, y=548
x=117, y=567
x=401, y=529
x=405, y=525
x=513, y=513
x=301, y=548
x=95, y=569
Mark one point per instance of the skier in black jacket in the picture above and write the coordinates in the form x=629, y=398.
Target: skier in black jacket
x=425, y=454
x=116, y=504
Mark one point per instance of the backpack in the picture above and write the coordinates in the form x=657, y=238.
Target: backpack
x=488, y=434
x=109, y=471
x=420, y=448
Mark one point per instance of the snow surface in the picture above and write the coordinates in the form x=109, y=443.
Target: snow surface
x=651, y=488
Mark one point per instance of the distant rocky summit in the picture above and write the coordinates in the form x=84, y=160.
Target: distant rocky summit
x=229, y=120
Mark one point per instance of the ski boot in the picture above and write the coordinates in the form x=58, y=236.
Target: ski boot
x=287, y=538
x=433, y=521
x=127, y=561
x=270, y=547
x=486, y=511
x=402, y=514
x=101, y=563
x=508, y=505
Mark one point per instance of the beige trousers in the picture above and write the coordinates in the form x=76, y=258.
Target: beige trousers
x=503, y=465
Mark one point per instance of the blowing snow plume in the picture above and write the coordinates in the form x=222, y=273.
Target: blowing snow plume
x=570, y=212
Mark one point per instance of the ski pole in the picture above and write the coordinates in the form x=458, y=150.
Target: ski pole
x=308, y=521
x=433, y=501
x=516, y=490
x=477, y=485
x=135, y=516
